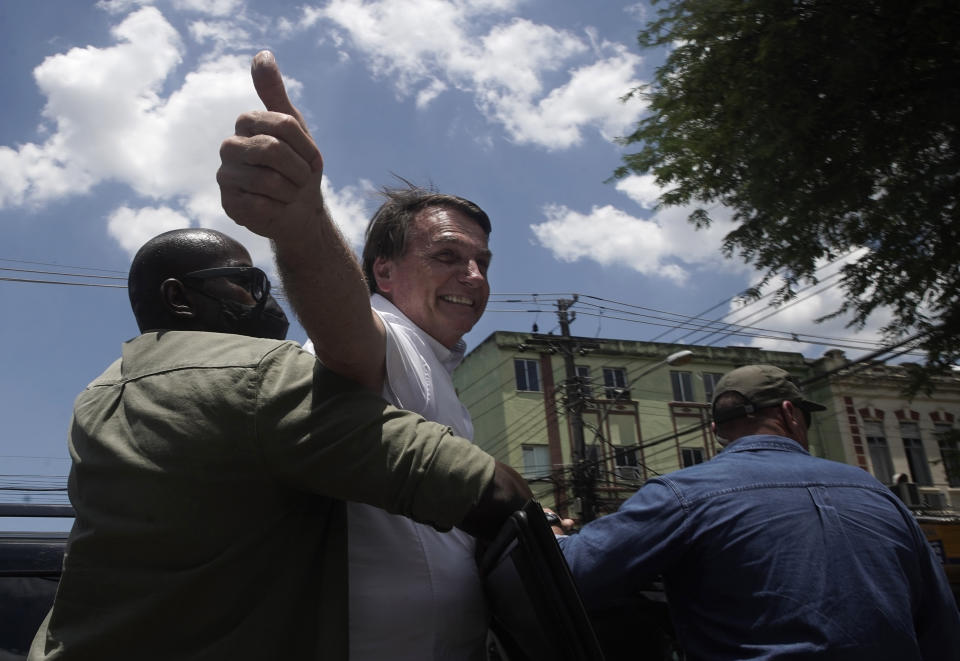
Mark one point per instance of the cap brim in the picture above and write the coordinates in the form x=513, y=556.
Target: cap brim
x=807, y=405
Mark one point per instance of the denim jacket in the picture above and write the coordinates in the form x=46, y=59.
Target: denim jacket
x=769, y=553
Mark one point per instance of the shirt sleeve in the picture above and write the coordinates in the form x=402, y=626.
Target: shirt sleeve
x=409, y=380
x=615, y=556
x=325, y=434
x=937, y=619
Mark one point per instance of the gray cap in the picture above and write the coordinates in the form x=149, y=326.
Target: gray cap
x=762, y=386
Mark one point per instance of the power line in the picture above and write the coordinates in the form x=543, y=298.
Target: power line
x=752, y=327
x=685, y=321
x=777, y=311
x=670, y=320
x=757, y=300
x=62, y=266
x=862, y=362
x=73, y=275
x=61, y=282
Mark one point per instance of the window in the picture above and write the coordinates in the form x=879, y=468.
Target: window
x=682, y=386
x=710, y=380
x=615, y=382
x=528, y=374
x=625, y=457
x=691, y=456
x=948, y=439
x=583, y=373
x=536, y=461
x=916, y=456
x=879, y=452
x=628, y=468
x=623, y=429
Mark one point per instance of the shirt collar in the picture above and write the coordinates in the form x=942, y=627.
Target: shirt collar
x=764, y=442
x=449, y=358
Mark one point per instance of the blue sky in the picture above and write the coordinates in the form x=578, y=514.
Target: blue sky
x=114, y=111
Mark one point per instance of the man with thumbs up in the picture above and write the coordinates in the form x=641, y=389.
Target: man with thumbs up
x=212, y=462
x=414, y=593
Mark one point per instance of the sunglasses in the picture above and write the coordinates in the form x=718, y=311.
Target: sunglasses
x=250, y=278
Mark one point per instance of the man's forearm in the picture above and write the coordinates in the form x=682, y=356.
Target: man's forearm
x=506, y=493
x=326, y=289
x=270, y=181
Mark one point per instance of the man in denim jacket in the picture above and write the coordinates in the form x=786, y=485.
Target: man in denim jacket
x=769, y=553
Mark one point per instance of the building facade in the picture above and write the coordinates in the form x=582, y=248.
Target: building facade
x=642, y=418
x=524, y=408
x=912, y=443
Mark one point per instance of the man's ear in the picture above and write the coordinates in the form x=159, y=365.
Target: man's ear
x=382, y=272
x=720, y=439
x=798, y=426
x=793, y=419
x=174, y=297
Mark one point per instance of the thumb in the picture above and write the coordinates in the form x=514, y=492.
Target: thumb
x=270, y=88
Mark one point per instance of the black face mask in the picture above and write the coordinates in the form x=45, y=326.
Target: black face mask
x=265, y=319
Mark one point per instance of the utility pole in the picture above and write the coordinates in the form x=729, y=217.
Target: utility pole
x=585, y=470
x=584, y=475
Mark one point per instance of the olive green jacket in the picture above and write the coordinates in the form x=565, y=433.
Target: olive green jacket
x=208, y=477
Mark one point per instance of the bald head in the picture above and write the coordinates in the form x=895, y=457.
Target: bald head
x=169, y=256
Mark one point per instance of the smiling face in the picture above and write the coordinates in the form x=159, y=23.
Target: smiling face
x=440, y=282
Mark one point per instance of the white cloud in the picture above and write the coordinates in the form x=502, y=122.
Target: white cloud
x=637, y=11
x=133, y=227
x=683, y=241
x=15, y=180
x=310, y=17
x=608, y=236
x=665, y=245
x=350, y=208
x=505, y=68
x=222, y=34
x=798, y=315
x=103, y=106
x=588, y=99
x=210, y=7
x=489, y=5
x=190, y=126
x=109, y=122
x=642, y=189
x=698, y=246
x=513, y=57
x=285, y=28
x=430, y=92
x=394, y=34
x=121, y=6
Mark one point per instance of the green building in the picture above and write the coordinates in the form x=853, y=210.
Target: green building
x=640, y=417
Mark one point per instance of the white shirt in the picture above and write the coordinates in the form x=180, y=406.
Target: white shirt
x=415, y=593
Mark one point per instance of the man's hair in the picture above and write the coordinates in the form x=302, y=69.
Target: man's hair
x=169, y=255
x=389, y=228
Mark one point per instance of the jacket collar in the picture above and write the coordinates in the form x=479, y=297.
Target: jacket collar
x=764, y=442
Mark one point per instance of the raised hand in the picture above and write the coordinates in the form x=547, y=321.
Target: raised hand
x=271, y=168
x=269, y=178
